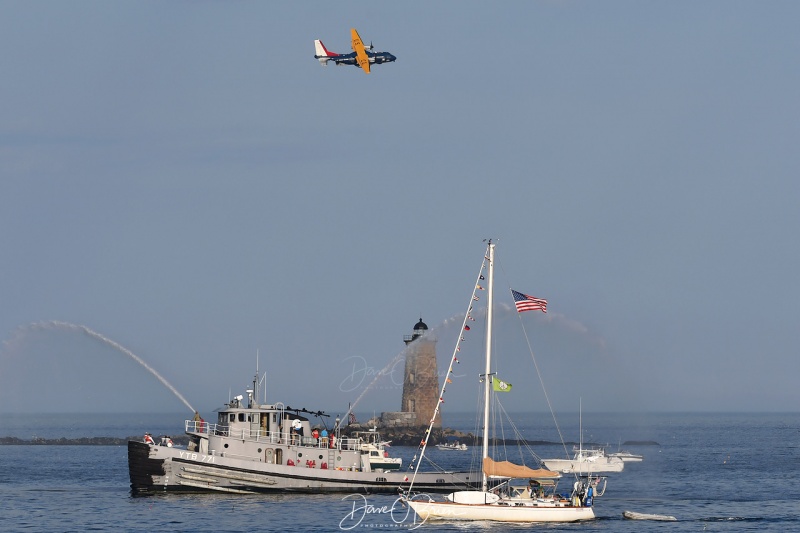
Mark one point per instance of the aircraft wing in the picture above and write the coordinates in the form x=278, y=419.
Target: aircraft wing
x=361, y=54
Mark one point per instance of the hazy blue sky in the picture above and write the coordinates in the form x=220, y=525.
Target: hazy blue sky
x=185, y=179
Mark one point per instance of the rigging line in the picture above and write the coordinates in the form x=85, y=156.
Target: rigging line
x=476, y=458
x=519, y=437
x=538, y=372
x=499, y=420
x=541, y=381
x=453, y=359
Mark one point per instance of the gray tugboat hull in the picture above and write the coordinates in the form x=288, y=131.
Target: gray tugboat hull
x=157, y=469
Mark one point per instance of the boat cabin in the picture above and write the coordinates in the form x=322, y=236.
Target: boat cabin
x=273, y=434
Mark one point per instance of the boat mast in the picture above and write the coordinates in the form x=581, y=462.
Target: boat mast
x=487, y=375
x=453, y=359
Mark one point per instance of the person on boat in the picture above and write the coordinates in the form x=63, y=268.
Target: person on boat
x=315, y=435
x=297, y=431
x=199, y=423
x=536, y=489
x=148, y=439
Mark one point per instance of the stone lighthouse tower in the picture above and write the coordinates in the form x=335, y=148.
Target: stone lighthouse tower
x=421, y=381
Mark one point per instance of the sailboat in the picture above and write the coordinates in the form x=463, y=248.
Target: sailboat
x=500, y=498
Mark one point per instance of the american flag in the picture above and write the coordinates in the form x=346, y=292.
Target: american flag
x=352, y=418
x=525, y=302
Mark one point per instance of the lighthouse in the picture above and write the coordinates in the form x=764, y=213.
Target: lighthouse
x=421, y=379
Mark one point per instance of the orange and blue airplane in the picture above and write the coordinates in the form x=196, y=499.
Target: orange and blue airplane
x=362, y=56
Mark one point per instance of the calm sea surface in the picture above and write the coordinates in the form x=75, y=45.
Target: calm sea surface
x=714, y=472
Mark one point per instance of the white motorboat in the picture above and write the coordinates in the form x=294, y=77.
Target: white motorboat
x=372, y=445
x=627, y=457
x=586, y=461
x=452, y=446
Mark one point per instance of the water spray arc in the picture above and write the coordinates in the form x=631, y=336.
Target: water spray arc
x=385, y=371
x=66, y=326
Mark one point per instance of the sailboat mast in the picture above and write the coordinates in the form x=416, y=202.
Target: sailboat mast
x=487, y=374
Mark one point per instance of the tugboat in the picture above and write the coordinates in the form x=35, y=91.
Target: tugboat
x=255, y=447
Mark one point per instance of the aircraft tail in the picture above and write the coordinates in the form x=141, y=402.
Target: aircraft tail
x=322, y=53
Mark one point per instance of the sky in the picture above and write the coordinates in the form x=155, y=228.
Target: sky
x=184, y=188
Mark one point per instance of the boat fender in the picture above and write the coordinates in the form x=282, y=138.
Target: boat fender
x=386, y=454
x=324, y=466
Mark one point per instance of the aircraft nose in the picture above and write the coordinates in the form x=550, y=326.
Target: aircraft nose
x=391, y=58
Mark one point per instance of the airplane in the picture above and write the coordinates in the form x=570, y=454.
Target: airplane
x=362, y=56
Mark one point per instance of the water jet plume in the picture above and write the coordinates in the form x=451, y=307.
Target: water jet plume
x=66, y=326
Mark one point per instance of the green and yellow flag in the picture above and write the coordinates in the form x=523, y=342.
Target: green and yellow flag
x=500, y=386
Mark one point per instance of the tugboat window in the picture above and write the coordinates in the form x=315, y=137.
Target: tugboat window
x=232, y=417
x=241, y=417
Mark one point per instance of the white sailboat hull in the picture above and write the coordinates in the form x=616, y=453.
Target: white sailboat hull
x=501, y=511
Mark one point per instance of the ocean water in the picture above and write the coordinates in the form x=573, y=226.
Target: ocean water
x=714, y=472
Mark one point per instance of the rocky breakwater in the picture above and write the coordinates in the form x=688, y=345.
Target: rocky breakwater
x=412, y=435
x=81, y=441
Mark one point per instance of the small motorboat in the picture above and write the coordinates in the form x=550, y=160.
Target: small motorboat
x=631, y=515
x=626, y=456
x=452, y=446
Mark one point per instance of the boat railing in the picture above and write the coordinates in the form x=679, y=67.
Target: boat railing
x=270, y=437
x=196, y=426
x=346, y=443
